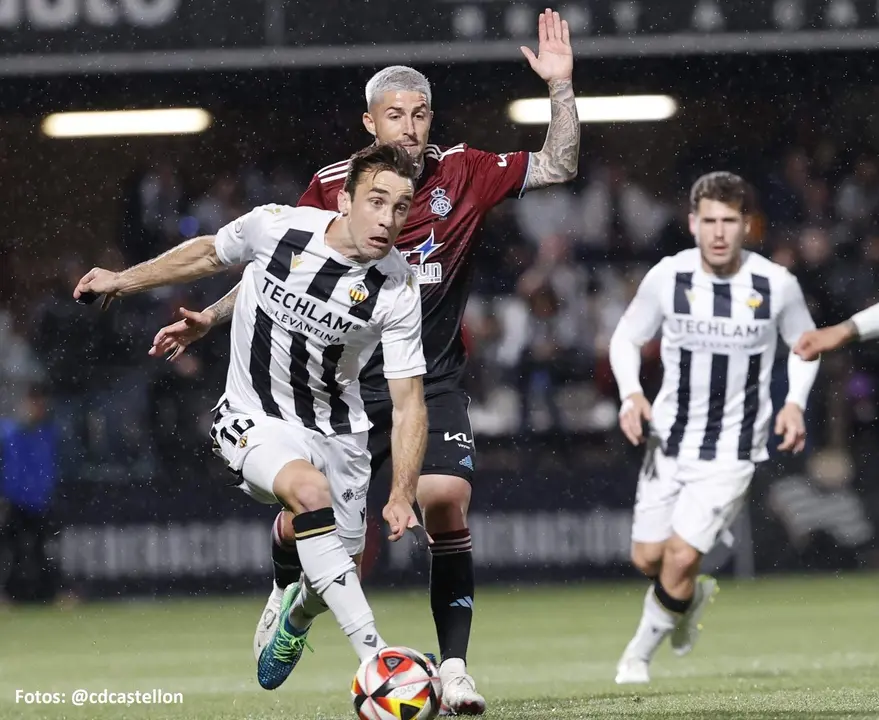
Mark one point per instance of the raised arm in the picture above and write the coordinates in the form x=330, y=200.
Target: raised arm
x=557, y=161
x=191, y=260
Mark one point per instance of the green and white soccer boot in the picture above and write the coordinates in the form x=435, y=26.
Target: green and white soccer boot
x=281, y=654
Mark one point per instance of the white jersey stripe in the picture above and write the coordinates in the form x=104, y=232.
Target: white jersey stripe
x=333, y=168
x=336, y=176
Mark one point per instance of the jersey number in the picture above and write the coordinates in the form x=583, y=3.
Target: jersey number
x=238, y=427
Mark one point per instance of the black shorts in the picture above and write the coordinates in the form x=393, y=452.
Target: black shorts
x=450, y=448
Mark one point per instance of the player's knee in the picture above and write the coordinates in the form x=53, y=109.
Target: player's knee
x=444, y=501
x=282, y=530
x=301, y=487
x=681, y=557
x=647, y=557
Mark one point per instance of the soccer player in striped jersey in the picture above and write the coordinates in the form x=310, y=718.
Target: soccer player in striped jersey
x=720, y=309
x=456, y=188
x=320, y=290
x=860, y=326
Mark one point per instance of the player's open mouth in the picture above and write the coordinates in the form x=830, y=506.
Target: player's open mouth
x=378, y=240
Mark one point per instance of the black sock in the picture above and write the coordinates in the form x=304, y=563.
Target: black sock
x=668, y=602
x=451, y=592
x=285, y=558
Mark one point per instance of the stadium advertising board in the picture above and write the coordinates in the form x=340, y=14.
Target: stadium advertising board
x=552, y=523
x=64, y=36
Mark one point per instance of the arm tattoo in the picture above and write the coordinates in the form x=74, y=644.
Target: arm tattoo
x=557, y=161
x=223, y=308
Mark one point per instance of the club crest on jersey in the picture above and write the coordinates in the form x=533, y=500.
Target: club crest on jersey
x=358, y=293
x=754, y=300
x=296, y=261
x=439, y=203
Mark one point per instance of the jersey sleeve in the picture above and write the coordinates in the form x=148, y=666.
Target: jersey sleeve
x=494, y=178
x=867, y=323
x=794, y=317
x=236, y=242
x=315, y=195
x=643, y=317
x=401, y=334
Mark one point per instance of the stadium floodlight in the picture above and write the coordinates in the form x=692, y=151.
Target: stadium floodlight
x=610, y=109
x=107, y=123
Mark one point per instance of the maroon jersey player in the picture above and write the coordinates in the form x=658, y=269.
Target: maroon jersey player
x=456, y=188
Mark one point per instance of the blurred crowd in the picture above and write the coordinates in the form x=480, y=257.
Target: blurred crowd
x=555, y=271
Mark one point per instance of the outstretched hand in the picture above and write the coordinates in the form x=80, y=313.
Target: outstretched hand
x=555, y=58
x=175, y=338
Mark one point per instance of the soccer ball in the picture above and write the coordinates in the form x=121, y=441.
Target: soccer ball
x=397, y=683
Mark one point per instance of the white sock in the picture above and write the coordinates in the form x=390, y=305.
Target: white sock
x=277, y=593
x=307, y=606
x=656, y=623
x=333, y=575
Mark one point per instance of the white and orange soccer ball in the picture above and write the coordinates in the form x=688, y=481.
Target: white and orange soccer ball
x=397, y=683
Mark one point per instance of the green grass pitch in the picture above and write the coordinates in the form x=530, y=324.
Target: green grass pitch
x=785, y=648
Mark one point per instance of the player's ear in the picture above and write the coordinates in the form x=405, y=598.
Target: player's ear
x=369, y=123
x=344, y=202
x=747, y=226
x=694, y=227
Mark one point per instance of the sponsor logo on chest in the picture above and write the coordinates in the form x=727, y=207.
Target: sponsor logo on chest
x=428, y=273
x=300, y=312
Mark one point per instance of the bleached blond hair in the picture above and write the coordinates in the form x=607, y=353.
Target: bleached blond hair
x=396, y=78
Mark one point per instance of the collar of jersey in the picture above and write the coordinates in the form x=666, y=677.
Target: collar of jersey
x=336, y=255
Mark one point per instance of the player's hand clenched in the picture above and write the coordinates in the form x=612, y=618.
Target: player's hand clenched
x=98, y=281
x=175, y=338
x=814, y=342
x=790, y=424
x=634, y=412
x=401, y=517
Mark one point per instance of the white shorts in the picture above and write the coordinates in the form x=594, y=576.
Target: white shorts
x=256, y=447
x=694, y=499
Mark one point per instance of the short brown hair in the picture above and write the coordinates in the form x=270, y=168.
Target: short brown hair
x=377, y=158
x=724, y=187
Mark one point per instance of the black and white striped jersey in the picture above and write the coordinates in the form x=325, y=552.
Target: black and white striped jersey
x=307, y=319
x=719, y=339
